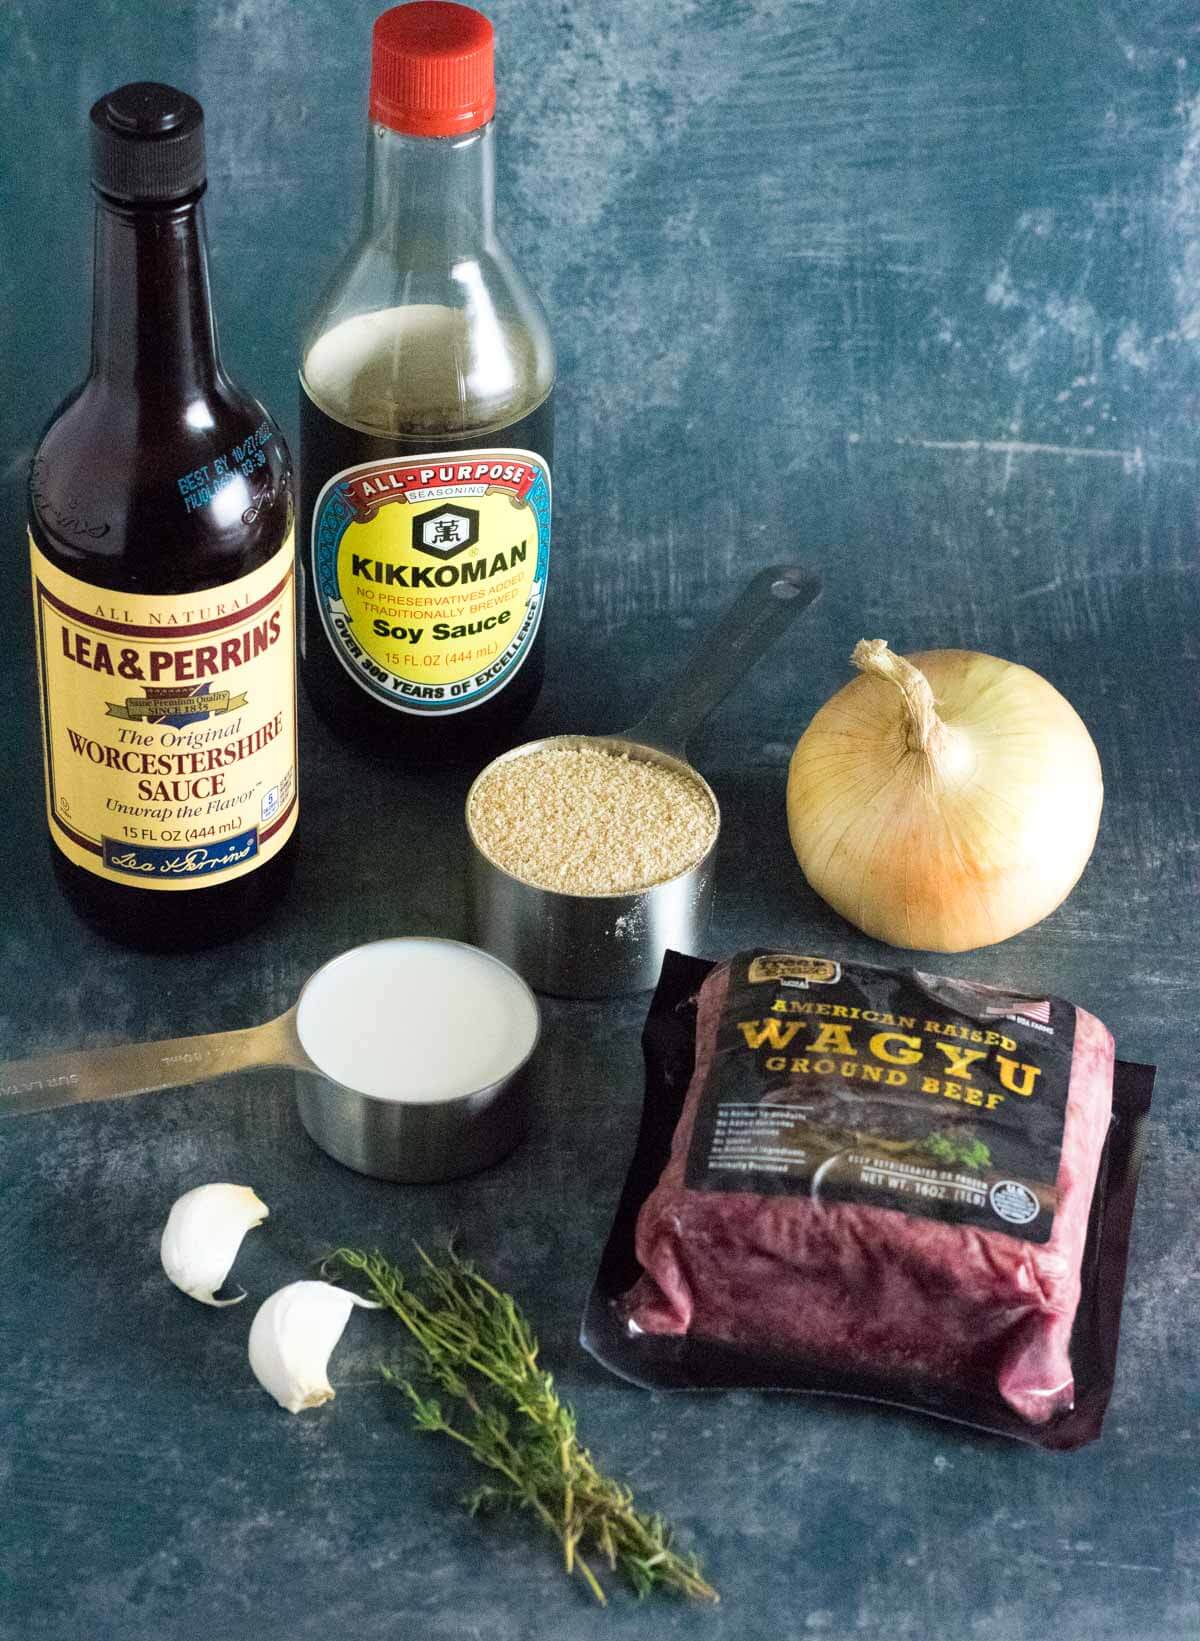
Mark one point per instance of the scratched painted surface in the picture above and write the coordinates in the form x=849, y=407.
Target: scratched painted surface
x=910, y=288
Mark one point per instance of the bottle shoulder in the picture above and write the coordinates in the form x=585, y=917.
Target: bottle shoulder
x=409, y=345
x=131, y=495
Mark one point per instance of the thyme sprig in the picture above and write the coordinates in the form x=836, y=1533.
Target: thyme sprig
x=475, y=1377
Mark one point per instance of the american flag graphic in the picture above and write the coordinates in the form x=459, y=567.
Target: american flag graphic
x=1034, y=1011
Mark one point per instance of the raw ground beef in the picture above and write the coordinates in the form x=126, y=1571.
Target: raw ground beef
x=876, y=1290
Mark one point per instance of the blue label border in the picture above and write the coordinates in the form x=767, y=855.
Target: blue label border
x=332, y=517
x=180, y=862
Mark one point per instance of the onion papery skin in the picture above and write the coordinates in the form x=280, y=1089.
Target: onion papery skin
x=961, y=846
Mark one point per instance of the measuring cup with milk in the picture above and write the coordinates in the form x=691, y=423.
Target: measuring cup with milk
x=409, y=1056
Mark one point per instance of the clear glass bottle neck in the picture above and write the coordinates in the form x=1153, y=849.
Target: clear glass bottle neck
x=433, y=191
x=153, y=329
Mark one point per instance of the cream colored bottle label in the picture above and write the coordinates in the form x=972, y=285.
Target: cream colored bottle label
x=169, y=724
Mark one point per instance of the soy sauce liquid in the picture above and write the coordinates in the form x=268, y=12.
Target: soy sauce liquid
x=106, y=505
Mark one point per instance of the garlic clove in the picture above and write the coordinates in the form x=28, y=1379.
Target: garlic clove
x=203, y=1233
x=292, y=1337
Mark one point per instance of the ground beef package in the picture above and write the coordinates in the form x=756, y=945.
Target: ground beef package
x=877, y=1183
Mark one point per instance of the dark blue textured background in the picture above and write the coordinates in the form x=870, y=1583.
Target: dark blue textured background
x=908, y=288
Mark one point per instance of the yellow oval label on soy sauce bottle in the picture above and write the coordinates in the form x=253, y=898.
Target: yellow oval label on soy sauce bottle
x=430, y=573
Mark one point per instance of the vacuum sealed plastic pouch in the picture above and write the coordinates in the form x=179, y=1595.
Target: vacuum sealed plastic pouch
x=877, y=1183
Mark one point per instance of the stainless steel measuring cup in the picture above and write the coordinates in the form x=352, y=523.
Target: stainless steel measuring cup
x=416, y=1141
x=574, y=945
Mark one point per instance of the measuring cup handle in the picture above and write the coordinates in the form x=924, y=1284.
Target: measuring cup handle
x=745, y=632
x=51, y=1080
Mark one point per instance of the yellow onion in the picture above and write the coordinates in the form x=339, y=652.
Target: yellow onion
x=945, y=800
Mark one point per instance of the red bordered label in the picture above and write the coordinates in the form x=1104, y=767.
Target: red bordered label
x=169, y=724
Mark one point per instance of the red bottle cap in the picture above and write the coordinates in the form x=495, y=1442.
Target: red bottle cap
x=431, y=69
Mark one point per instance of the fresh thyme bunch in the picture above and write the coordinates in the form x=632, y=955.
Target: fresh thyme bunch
x=475, y=1347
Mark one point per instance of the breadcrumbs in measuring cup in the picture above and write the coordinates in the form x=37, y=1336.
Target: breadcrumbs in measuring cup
x=584, y=821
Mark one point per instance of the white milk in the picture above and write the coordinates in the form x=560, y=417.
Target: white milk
x=416, y=1019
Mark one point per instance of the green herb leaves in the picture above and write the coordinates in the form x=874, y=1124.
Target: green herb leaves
x=475, y=1378
x=963, y=1149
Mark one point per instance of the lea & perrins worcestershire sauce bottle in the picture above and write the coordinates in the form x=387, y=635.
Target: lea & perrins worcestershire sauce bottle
x=160, y=523
x=426, y=425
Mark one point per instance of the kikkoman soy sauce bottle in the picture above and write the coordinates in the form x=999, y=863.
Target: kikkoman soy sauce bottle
x=426, y=427
x=160, y=522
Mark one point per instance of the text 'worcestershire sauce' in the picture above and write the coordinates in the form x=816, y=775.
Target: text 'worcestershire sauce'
x=161, y=546
x=427, y=425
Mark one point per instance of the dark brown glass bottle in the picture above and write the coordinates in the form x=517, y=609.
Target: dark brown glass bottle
x=160, y=514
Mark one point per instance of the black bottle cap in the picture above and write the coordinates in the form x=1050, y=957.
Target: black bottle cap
x=147, y=143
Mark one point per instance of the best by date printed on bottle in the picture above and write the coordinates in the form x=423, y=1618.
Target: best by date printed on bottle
x=204, y=483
